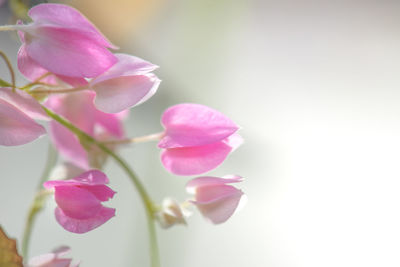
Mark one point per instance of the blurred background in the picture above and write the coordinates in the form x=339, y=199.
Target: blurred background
x=315, y=87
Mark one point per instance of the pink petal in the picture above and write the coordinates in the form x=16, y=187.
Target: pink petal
x=32, y=71
x=211, y=181
x=88, y=178
x=83, y=226
x=77, y=202
x=16, y=128
x=207, y=194
x=222, y=209
x=194, y=125
x=194, y=160
x=101, y=192
x=66, y=16
x=118, y=94
x=112, y=123
x=68, y=52
x=68, y=145
x=127, y=65
x=24, y=102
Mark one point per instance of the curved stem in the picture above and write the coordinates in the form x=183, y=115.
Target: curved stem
x=10, y=68
x=148, y=203
x=58, y=91
x=140, y=139
x=38, y=201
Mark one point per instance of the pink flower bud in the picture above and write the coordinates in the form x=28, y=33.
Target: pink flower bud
x=216, y=200
x=52, y=259
x=62, y=41
x=17, y=111
x=197, y=139
x=126, y=84
x=79, y=201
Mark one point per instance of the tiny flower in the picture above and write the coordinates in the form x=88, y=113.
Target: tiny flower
x=17, y=113
x=80, y=200
x=126, y=84
x=62, y=41
x=53, y=259
x=216, y=200
x=78, y=108
x=197, y=139
x=171, y=213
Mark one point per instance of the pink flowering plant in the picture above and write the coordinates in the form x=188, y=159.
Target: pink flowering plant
x=79, y=92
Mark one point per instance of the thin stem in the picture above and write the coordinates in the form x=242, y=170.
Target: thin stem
x=10, y=68
x=38, y=201
x=140, y=139
x=58, y=91
x=148, y=203
x=5, y=28
x=37, y=81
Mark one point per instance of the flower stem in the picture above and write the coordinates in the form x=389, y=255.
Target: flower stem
x=58, y=91
x=140, y=139
x=148, y=203
x=10, y=68
x=38, y=201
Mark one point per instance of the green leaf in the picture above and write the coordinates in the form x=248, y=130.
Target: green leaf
x=9, y=256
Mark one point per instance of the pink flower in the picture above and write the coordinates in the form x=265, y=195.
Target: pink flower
x=78, y=108
x=17, y=111
x=62, y=41
x=197, y=139
x=52, y=259
x=126, y=84
x=216, y=200
x=79, y=201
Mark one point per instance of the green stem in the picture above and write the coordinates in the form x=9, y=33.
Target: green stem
x=148, y=203
x=10, y=68
x=38, y=201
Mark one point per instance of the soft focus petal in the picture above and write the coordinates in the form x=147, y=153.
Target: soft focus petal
x=83, y=226
x=24, y=102
x=127, y=65
x=211, y=181
x=76, y=202
x=112, y=123
x=88, y=178
x=220, y=210
x=194, y=125
x=118, y=94
x=66, y=16
x=101, y=192
x=68, y=145
x=68, y=52
x=194, y=160
x=16, y=128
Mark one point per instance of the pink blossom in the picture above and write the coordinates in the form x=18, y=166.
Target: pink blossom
x=126, y=84
x=197, y=139
x=79, y=109
x=79, y=201
x=53, y=259
x=17, y=113
x=216, y=200
x=62, y=41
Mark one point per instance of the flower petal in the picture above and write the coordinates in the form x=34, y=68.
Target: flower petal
x=68, y=145
x=24, y=102
x=211, y=181
x=221, y=210
x=194, y=125
x=16, y=128
x=68, y=52
x=77, y=202
x=83, y=226
x=88, y=178
x=118, y=94
x=194, y=160
x=66, y=16
x=127, y=65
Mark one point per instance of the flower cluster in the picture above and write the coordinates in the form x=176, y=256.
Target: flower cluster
x=85, y=91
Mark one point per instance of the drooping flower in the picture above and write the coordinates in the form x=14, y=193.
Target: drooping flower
x=17, y=113
x=214, y=198
x=62, y=41
x=79, y=109
x=197, y=139
x=171, y=213
x=126, y=84
x=53, y=259
x=80, y=200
